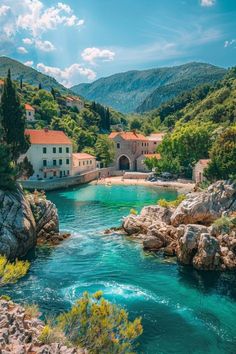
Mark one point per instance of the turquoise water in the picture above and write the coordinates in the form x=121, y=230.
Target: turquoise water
x=183, y=311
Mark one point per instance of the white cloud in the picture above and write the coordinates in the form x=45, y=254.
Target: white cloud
x=37, y=19
x=22, y=50
x=68, y=76
x=45, y=46
x=27, y=41
x=229, y=43
x=29, y=63
x=92, y=54
x=208, y=3
x=4, y=10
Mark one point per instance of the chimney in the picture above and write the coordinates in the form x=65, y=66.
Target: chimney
x=46, y=129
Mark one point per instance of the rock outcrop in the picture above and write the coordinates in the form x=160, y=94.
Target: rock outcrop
x=20, y=333
x=205, y=208
x=23, y=219
x=187, y=232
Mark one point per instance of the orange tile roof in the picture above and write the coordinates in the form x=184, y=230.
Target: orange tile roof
x=156, y=136
x=1, y=82
x=82, y=156
x=128, y=135
x=157, y=156
x=204, y=162
x=73, y=99
x=47, y=137
x=28, y=107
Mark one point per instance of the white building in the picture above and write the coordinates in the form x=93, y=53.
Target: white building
x=75, y=102
x=50, y=153
x=82, y=163
x=30, y=113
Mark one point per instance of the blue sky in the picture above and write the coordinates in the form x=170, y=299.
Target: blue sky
x=81, y=40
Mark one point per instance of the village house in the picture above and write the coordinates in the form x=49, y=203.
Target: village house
x=198, y=170
x=30, y=113
x=82, y=162
x=50, y=153
x=131, y=149
x=74, y=102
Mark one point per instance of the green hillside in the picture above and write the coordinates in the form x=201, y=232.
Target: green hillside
x=145, y=90
x=29, y=75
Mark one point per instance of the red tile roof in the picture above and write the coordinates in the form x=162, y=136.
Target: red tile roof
x=73, y=99
x=47, y=137
x=128, y=135
x=157, y=156
x=83, y=156
x=28, y=107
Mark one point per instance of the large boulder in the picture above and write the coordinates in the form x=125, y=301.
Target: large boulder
x=23, y=219
x=205, y=207
x=188, y=243
x=17, y=224
x=208, y=253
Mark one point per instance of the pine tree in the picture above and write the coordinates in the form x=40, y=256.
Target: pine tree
x=53, y=93
x=13, y=120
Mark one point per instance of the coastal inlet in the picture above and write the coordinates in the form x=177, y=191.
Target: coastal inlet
x=183, y=310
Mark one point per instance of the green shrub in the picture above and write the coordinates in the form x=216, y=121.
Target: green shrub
x=133, y=211
x=223, y=224
x=172, y=204
x=99, y=326
x=12, y=272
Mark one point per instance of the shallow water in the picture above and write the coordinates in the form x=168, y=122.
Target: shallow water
x=183, y=311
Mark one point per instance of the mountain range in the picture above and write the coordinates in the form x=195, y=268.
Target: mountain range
x=140, y=91
x=29, y=75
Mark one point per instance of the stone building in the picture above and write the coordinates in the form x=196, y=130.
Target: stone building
x=50, y=153
x=30, y=113
x=74, y=102
x=130, y=146
x=198, y=170
x=141, y=167
x=82, y=162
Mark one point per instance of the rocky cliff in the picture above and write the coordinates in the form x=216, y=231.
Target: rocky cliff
x=23, y=219
x=20, y=333
x=200, y=232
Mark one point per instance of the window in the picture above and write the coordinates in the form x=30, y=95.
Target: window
x=54, y=162
x=44, y=162
x=60, y=162
x=83, y=162
x=44, y=150
x=45, y=175
x=118, y=145
x=68, y=172
x=54, y=150
x=60, y=150
x=79, y=163
x=67, y=161
x=87, y=162
x=29, y=113
x=64, y=173
x=67, y=150
x=91, y=162
x=54, y=173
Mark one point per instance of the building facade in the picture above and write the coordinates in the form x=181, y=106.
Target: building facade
x=75, y=102
x=141, y=166
x=131, y=149
x=82, y=162
x=30, y=113
x=50, y=154
x=198, y=170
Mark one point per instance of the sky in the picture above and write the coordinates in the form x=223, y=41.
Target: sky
x=82, y=40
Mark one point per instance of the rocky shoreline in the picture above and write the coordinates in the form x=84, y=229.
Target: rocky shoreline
x=26, y=220
x=20, y=333
x=200, y=232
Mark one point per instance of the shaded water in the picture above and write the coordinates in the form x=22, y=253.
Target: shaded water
x=183, y=311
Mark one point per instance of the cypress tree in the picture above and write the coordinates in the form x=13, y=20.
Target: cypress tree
x=40, y=86
x=13, y=120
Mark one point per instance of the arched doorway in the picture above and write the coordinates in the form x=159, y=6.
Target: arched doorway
x=124, y=163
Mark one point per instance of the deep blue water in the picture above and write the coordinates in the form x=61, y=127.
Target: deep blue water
x=183, y=311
